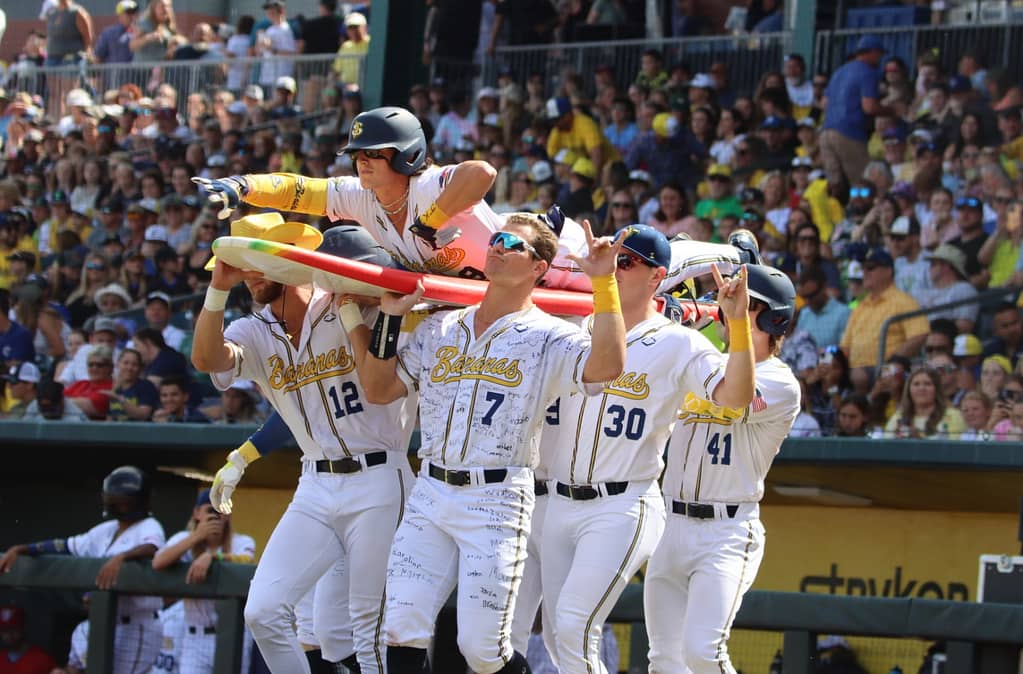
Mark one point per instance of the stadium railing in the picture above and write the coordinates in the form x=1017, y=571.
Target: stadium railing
x=748, y=56
x=311, y=73
x=994, y=44
x=966, y=627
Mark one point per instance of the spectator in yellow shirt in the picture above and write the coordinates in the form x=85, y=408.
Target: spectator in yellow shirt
x=577, y=132
x=357, y=44
x=863, y=331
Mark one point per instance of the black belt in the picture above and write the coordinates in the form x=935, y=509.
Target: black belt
x=540, y=487
x=350, y=464
x=126, y=619
x=701, y=511
x=461, y=478
x=585, y=492
x=201, y=630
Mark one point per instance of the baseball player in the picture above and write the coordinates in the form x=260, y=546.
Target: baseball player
x=172, y=620
x=355, y=473
x=129, y=533
x=485, y=374
x=606, y=515
x=335, y=628
x=429, y=218
x=718, y=457
x=208, y=538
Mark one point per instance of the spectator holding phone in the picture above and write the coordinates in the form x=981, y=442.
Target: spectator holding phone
x=1011, y=391
x=208, y=538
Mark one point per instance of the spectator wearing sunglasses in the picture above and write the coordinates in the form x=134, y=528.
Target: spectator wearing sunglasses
x=970, y=214
x=1007, y=329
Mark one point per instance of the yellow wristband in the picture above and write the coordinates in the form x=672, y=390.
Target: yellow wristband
x=605, y=295
x=248, y=451
x=435, y=217
x=740, y=338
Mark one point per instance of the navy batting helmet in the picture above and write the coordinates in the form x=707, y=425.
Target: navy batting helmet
x=390, y=127
x=774, y=288
x=132, y=485
x=354, y=243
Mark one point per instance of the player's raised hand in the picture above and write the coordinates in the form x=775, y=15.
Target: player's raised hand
x=602, y=253
x=225, y=192
x=226, y=277
x=399, y=305
x=733, y=293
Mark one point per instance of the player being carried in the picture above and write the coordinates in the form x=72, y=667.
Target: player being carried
x=433, y=218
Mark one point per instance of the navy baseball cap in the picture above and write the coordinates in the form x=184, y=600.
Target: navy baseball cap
x=557, y=108
x=870, y=43
x=897, y=133
x=648, y=244
x=878, y=256
x=772, y=122
x=203, y=498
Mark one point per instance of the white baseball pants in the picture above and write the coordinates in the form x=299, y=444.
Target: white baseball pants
x=330, y=517
x=591, y=549
x=137, y=643
x=706, y=566
x=530, y=589
x=474, y=535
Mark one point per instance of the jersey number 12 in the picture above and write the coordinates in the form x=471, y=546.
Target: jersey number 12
x=350, y=400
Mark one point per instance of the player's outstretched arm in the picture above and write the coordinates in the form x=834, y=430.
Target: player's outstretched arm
x=210, y=353
x=282, y=191
x=738, y=386
x=271, y=436
x=607, y=348
x=378, y=369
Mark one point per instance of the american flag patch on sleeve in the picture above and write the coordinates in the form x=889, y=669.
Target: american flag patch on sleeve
x=758, y=404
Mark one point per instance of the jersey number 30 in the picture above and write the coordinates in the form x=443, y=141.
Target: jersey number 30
x=348, y=402
x=631, y=421
x=720, y=453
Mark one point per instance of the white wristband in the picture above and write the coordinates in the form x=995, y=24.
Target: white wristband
x=216, y=299
x=350, y=315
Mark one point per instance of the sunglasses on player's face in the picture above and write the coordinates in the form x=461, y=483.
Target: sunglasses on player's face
x=627, y=261
x=509, y=241
x=371, y=154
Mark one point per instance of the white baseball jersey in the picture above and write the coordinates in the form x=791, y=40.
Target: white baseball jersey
x=203, y=612
x=102, y=541
x=722, y=455
x=484, y=397
x=315, y=387
x=78, y=655
x=172, y=619
x=465, y=257
x=620, y=432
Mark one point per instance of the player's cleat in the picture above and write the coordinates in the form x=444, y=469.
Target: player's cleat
x=746, y=242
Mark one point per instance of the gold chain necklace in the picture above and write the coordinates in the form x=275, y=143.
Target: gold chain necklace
x=402, y=200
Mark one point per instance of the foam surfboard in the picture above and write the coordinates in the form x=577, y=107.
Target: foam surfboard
x=291, y=265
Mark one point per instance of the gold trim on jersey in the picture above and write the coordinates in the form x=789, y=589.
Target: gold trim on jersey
x=618, y=576
x=596, y=438
x=291, y=363
x=454, y=399
x=578, y=432
x=685, y=462
x=516, y=576
x=324, y=375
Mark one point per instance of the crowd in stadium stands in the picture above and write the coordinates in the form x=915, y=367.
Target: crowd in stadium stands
x=877, y=200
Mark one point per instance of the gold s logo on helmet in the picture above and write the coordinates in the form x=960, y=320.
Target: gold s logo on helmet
x=356, y=129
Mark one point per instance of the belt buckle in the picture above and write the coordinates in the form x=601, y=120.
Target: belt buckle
x=583, y=492
x=459, y=478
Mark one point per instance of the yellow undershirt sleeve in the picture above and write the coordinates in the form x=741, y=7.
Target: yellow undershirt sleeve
x=288, y=192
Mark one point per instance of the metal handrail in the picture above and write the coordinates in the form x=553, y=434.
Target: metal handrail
x=923, y=311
